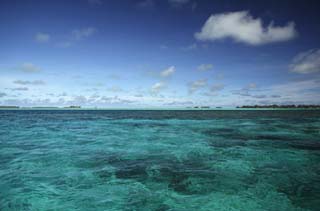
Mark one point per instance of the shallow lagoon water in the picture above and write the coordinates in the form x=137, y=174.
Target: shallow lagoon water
x=160, y=160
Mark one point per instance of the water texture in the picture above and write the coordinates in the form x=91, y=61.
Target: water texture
x=160, y=160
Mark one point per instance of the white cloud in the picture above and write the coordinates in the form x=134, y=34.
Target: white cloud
x=251, y=86
x=306, y=62
x=114, y=77
x=204, y=67
x=146, y=4
x=29, y=68
x=242, y=27
x=115, y=89
x=164, y=47
x=25, y=82
x=110, y=101
x=20, y=89
x=63, y=94
x=196, y=85
x=180, y=103
x=296, y=87
x=80, y=34
x=247, y=90
x=42, y=37
x=138, y=95
x=167, y=72
x=216, y=87
x=76, y=36
x=292, y=92
x=65, y=44
x=2, y=94
x=214, y=90
x=157, y=87
x=219, y=76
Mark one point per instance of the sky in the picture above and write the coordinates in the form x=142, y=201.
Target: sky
x=159, y=53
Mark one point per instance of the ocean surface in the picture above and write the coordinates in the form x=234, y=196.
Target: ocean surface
x=247, y=160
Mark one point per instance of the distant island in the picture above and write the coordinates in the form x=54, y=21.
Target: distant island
x=73, y=106
x=273, y=106
x=199, y=107
x=279, y=106
x=9, y=107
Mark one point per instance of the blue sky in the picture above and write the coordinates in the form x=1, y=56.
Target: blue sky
x=159, y=53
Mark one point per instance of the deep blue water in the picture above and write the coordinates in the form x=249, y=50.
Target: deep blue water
x=159, y=160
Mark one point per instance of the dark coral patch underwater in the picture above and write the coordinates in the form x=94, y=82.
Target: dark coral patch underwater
x=159, y=160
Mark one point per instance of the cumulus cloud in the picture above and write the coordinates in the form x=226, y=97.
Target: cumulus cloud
x=63, y=94
x=157, y=87
x=242, y=27
x=145, y=4
x=65, y=44
x=295, y=87
x=42, y=37
x=80, y=34
x=115, y=100
x=259, y=96
x=2, y=94
x=82, y=100
x=138, y=95
x=246, y=90
x=164, y=47
x=205, y=67
x=180, y=103
x=25, y=82
x=251, y=86
x=196, y=85
x=292, y=92
x=219, y=76
x=115, y=89
x=79, y=100
x=306, y=62
x=29, y=68
x=214, y=90
x=216, y=87
x=77, y=35
x=114, y=77
x=20, y=89
x=167, y=72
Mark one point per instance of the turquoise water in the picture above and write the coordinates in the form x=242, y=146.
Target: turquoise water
x=159, y=160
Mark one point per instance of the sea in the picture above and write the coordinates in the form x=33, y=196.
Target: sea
x=160, y=160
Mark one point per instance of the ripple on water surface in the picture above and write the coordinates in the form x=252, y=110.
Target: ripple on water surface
x=159, y=160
